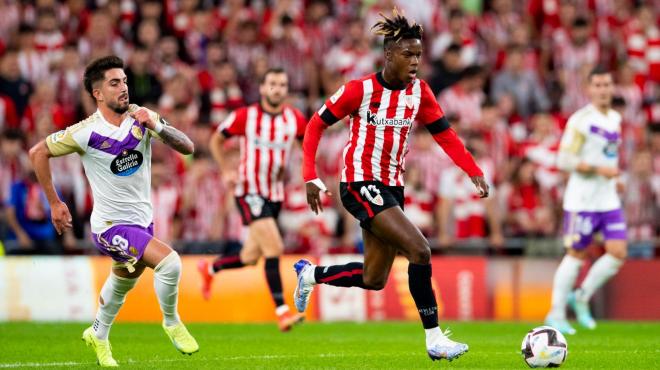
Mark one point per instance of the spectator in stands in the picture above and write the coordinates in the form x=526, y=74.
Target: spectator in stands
x=465, y=97
x=353, y=56
x=12, y=84
x=529, y=209
x=447, y=70
x=573, y=61
x=8, y=116
x=144, y=87
x=459, y=33
x=28, y=216
x=32, y=63
x=641, y=200
x=420, y=202
x=224, y=95
x=524, y=85
x=472, y=218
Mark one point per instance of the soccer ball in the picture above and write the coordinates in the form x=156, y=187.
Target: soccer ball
x=544, y=347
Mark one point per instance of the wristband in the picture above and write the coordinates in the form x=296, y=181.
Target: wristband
x=158, y=127
x=319, y=184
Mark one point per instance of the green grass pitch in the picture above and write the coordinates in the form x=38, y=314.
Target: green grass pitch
x=614, y=345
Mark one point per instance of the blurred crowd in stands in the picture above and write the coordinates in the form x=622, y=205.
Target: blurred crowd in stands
x=507, y=73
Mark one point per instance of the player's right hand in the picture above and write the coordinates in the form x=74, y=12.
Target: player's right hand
x=61, y=217
x=314, y=196
x=608, y=172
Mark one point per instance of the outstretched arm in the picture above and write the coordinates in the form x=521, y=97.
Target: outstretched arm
x=174, y=138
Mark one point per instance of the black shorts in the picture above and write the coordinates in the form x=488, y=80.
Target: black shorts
x=366, y=199
x=253, y=207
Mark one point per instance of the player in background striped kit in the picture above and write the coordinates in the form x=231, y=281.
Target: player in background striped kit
x=267, y=130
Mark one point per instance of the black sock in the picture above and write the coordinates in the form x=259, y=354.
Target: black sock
x=347, y=275
x=274, y=280
x=419, y=283
x=230, y=261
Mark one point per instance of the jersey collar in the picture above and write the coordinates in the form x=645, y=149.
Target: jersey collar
x=381, y=80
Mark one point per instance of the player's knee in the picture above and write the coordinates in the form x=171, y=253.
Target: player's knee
x=374, y=282
x=168, y=270
x=421, y=254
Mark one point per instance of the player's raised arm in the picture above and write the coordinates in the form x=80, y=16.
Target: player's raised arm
x=344, y=102
x=174, y=138
x=57, y=144
x=430, y=114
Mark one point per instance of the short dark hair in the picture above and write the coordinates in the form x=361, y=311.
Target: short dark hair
x=397, y=28
x=453, y=48
x=95, y=71
x=580, y=22
x=271, y=70
x=471, y=71
x=598, y=70
x=13, y=134
x=618, y=101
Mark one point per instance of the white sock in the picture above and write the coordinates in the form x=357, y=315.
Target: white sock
x=281, y=310
x=211, y=270
x=166, y=285
x=600, y=272
x=432, y=335
x=112, y=297
x=563, y=283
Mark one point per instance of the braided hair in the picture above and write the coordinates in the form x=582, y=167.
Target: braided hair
x=397, y=28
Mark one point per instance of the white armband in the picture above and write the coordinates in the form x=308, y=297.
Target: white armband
x=319, y=184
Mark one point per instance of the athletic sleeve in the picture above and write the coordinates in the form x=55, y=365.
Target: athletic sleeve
x=310, y=145
x=234, y=124
x=573, y=137
x=342, y=103
x=572, y=140
x=430, y=114
x=66, y=142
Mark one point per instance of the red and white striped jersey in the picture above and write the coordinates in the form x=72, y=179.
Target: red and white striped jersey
x=380, y=122
x=265, y=146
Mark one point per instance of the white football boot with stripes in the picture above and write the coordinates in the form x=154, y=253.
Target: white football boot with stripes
x=305, y=271
x=443, y=347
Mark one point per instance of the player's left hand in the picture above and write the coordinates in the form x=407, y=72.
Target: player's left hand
x=313, y=190
x=481, y=184
x=143, y=116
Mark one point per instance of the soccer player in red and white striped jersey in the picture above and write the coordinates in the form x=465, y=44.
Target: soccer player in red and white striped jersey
x=268, y=130
x=382, y=108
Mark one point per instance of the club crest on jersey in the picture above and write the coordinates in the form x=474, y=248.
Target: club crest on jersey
x=337, y=95
x=136, y=131
x=376, y=199
x=127, y=163
x=256, y=204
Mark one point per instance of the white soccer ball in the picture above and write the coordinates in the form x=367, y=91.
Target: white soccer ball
x=544, y=347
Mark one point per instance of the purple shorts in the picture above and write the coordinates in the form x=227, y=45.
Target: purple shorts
x=579, y=227
x=124, y=243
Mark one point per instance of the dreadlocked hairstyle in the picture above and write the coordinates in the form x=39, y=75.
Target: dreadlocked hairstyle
x=397, y=28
